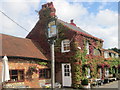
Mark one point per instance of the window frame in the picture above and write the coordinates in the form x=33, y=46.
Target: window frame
x=97, y=52
x=106, y=72
x=45, y=73
x=88, y=72
x=63, y=46
x=88, y=47
x=17, y=75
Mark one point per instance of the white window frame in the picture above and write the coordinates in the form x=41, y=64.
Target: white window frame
x=62, y=46
x=112, y=55
x=100, y=73
x=106, y=72
x=88, y=73
x=106, y=54
x=116, y=55
x=87, y=47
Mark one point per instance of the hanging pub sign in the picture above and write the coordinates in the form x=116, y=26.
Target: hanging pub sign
x=52, y=31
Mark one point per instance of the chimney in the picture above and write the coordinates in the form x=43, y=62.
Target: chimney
x=72, y=22
x=46, y=6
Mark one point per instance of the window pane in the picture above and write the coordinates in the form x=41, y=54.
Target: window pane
x=21, y=77
x=16, y=75
x=14, y=72
x=68, y=74
x=21, y=72
x=66, y=45
x=44, y=73
x=67, y=66
x=14, y=78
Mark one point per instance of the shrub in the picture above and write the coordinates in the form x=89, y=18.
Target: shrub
x=84, y=82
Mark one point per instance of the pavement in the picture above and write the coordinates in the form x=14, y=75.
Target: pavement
x=115, y=85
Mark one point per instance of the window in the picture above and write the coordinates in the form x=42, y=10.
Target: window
x=116, y=55
x=97, y=52
x=87, y=47
x=16, y=75
x=44, y=73
x=65, y=46
x=66, y=70
x=106, y=72
x=88, y=72
x=100, y=73
x=106, y=54
x=112, y=55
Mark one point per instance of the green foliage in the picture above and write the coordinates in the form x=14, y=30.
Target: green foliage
x=77, y=86
x=42, y=63
x=115, y=49
x=84, y=82
x=61, y=36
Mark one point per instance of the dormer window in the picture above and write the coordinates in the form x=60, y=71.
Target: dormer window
x=65, y=45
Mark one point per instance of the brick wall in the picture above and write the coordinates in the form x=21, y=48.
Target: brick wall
x=33, y=81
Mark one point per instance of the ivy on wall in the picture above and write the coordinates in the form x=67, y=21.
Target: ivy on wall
x=79, y=58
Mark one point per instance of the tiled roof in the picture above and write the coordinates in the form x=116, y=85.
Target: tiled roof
x=20, y=47
x=77, y=29
x=111, y=51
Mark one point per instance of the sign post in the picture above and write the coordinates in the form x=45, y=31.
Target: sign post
x=52, y=33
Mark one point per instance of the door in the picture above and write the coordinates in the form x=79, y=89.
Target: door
x=66, y=75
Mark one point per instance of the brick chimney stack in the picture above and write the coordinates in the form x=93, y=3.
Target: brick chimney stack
x=44, y=13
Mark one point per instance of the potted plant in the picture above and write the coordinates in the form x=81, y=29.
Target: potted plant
x=85, y=83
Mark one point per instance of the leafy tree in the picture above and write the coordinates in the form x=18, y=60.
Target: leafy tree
x=115, y=49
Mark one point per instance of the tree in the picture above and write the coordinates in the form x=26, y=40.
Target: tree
x=115, y=49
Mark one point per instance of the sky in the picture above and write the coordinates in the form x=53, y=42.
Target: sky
x=97, y=17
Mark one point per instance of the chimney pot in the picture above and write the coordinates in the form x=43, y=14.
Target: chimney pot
x=72, y=23
x=71, y=20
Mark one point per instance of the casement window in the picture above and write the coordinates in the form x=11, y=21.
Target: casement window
x=88, y=72
x=106, y=54
x=65, y=45
x=100, y=72
x=87, y=47
x=16, y=75
x=116, y=55
x=112, y=55
x=106, y=72
x=44, y=73
x=97, y=52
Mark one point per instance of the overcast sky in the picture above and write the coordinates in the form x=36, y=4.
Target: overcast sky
x=97, y=18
